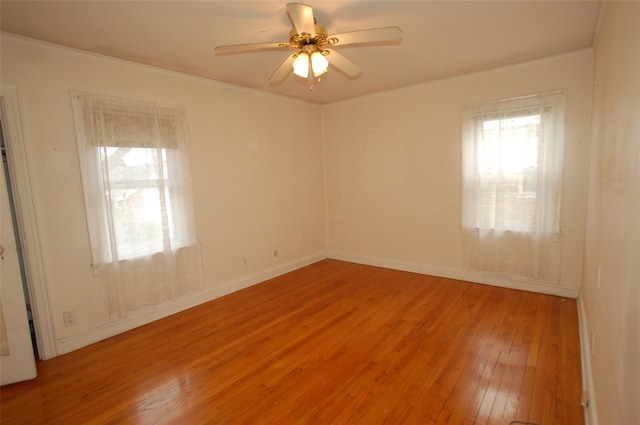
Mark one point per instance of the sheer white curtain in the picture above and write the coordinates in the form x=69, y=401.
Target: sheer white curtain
x=135, y=167
x=512, y=160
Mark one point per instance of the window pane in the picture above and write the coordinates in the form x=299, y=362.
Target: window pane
x=508, y=172
x=128, y=164
x=510, y=145
x=137, y=219
x=135, y=176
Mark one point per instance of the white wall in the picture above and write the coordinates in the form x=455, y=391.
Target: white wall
x=258, y=186
x=611, y=309
x=393, y=164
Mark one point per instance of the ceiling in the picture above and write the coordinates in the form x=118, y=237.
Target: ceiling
x=440, y=38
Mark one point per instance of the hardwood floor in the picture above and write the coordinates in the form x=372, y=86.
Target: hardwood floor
x=332, y=343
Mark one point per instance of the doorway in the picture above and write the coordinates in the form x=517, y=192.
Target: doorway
x=17, y=356
x=32, y=281
x=12, y=212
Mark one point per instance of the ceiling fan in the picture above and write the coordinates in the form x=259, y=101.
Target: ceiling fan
x=314, y=46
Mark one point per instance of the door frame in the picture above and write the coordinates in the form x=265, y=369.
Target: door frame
x=26, y=218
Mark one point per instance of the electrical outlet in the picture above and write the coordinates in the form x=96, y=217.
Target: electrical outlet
x=69, y=318
x=275, y=253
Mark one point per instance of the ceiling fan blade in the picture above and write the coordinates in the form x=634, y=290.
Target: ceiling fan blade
x=250, y=46
x=343, y=64
x=367, y=36
x=283, y=70
x=302, y=18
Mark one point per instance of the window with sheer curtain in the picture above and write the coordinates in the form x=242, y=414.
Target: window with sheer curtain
x=134, y=160
x=512, y=162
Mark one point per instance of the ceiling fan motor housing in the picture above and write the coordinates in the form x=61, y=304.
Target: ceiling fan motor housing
x=303, y=39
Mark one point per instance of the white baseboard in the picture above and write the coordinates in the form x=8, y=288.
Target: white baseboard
x=149, y=314
x=590, y=411
x=484, y=278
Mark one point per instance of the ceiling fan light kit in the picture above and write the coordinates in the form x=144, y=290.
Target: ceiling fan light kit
x=301, y=65
x=315, y=47
x=319, y=64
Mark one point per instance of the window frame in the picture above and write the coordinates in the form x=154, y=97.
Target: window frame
x=168, y=180
x=550, y=108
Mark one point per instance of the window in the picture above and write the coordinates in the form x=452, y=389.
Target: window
x=135, y=168
x=512, y=170
x=139, y=194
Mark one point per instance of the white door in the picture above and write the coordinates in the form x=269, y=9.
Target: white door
x=17, y=361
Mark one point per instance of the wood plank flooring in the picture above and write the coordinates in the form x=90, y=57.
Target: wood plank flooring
x=331, y=343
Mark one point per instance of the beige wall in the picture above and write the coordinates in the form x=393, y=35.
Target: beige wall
x=258, y=186
x=393, y=165
x=392, y=169
x=611, y=307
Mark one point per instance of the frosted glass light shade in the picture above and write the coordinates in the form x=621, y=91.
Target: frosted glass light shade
x=301, y=65
x=319, y=64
